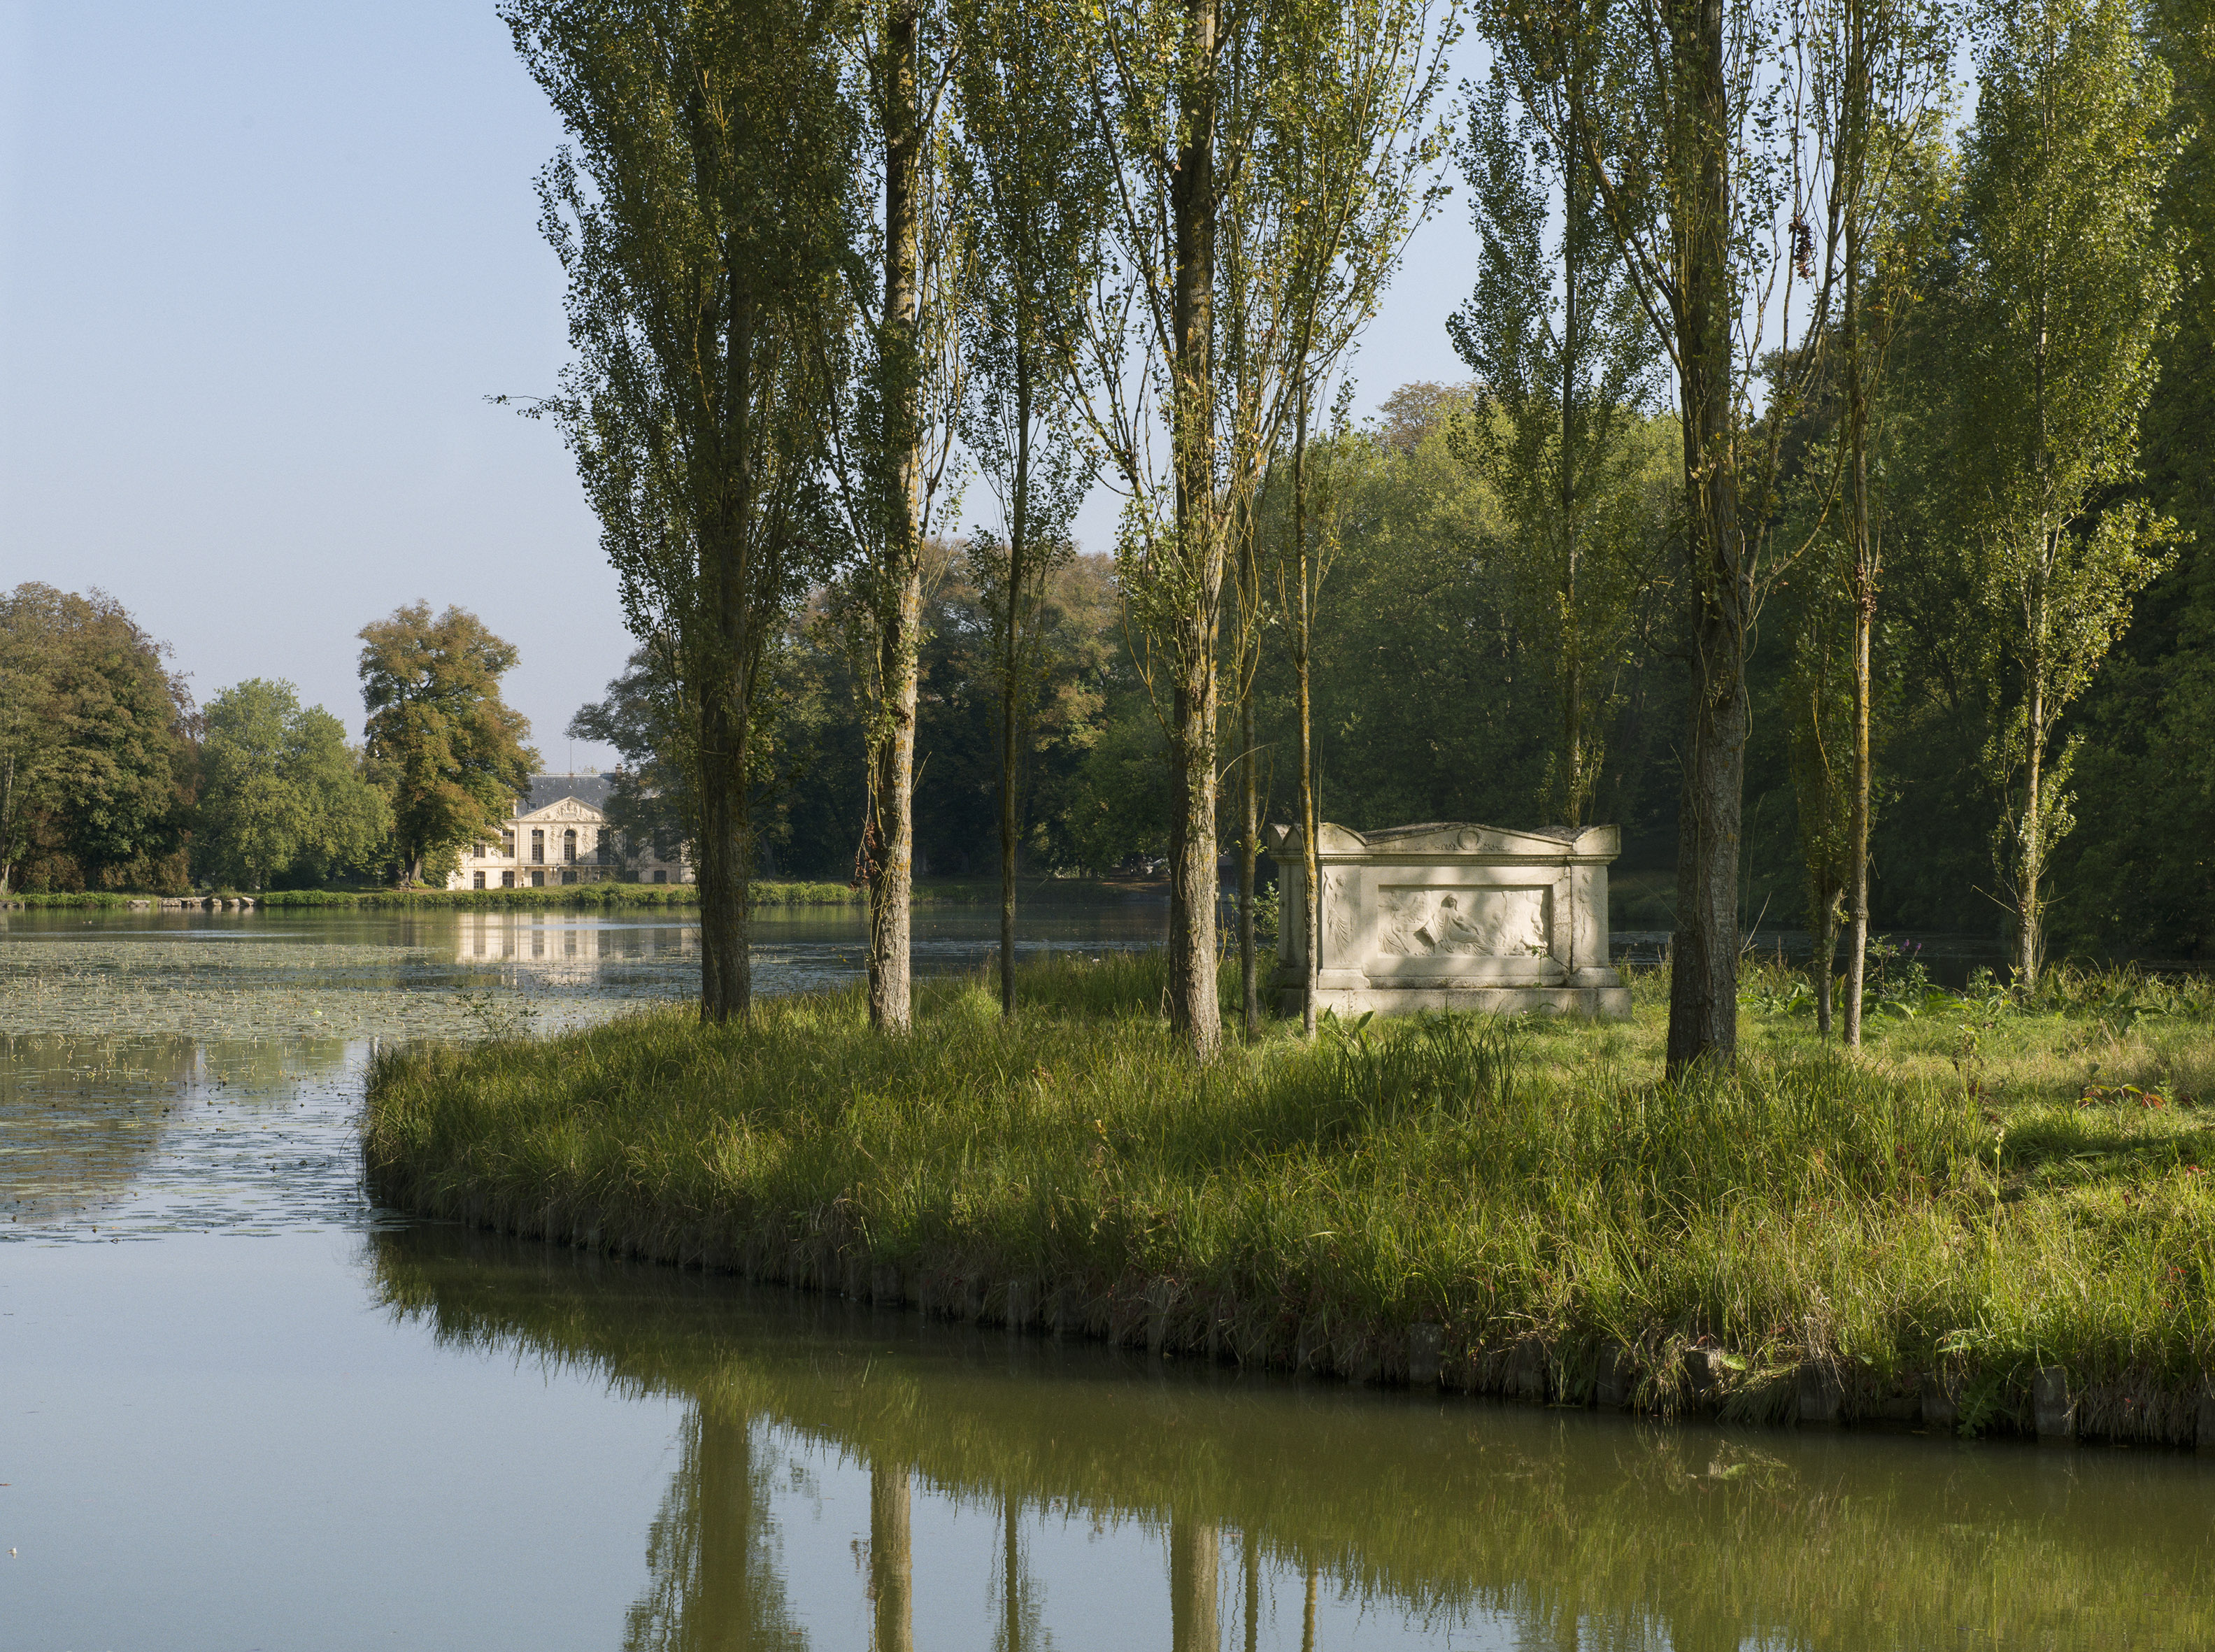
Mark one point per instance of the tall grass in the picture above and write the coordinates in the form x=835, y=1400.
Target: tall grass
x=1534, y=1190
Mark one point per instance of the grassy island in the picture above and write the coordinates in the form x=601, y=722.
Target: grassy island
x=1996, y=1218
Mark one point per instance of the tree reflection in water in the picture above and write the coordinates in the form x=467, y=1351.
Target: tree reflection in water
x=1431, y=1518
x=715, y=1585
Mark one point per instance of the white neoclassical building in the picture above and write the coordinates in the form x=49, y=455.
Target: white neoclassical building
x=558, y=833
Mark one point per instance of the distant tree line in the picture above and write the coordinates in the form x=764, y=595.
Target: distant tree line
x=111, y=777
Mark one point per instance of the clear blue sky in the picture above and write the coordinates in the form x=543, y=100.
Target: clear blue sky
x=261, y=265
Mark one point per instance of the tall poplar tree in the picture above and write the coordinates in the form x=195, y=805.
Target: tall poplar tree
x=702, y=217
x=1879, y=82
x=1689, y=148
x=895, y=440
x=2070, y=280
x=1344, y=144
x=1034, y=192
x=1248, y=141
x=1565, y=362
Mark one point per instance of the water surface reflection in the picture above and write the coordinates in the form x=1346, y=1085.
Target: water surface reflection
x=1139, y=1502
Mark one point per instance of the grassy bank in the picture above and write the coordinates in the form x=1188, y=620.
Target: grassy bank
x=1988, y=1193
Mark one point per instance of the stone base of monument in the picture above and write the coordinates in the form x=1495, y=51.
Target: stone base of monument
x=1452, y=916
x=1601, y=1003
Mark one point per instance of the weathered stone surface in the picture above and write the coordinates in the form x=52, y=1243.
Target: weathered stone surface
x=1161, y=1299
x=1822, y=1398
x=1452, y=916
x=1426, y=1348
x=1942, y=1413
x=1704, y=1370
x=2052, y=1406
x=1525, y=1377
x=1615, y=1380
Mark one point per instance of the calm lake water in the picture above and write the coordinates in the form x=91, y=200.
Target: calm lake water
x=241, y=1408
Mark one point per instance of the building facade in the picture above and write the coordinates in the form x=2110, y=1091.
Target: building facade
x=558, y=833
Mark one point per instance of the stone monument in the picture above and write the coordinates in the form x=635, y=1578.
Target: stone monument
x=1452, y=917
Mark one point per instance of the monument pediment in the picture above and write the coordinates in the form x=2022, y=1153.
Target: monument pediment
x=1450, y=840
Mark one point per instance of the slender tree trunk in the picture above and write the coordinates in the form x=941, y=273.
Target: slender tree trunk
x=1825, y=961
x=1303, y=636
x=1704, y=980
x=725, y=694
x=722, y=1611
x=1857, y=819
x=1308, y=1615
x=1249, y=844
x=1011, y=685
x=1194, y=1552
x=8, y=821
x=2030, y=941
x=725, y=872
x=1194, y=1006
x=1860, y=544
x=1573, y=675
x=899, y=597
x=1011, y=1563
x=891, y=1563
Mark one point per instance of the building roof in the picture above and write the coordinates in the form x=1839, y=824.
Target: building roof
x=546, y=789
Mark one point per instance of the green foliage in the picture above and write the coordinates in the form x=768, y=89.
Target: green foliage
x=1435, y=693
x=96, y=768
x=1566, y=368
x=2140, y=872
x=445, y=750
x=279, y=789
x=2068, y=293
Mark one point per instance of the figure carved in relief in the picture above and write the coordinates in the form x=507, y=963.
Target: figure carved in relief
x=1465, y=923
x=1341, y=912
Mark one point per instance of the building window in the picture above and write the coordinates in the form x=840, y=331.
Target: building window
x=507, y=880
x=480, y=883
x=537, y=847
x=569, y=848
x=567, y=876
x=537, y=880
x=507, y=844
x=661, y=877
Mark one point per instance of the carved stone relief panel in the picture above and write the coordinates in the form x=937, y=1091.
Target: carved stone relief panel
x=1339, y=910
x=1427, y=921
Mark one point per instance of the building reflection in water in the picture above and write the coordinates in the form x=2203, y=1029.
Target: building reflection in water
x=1074, y=1492
x=557, y=950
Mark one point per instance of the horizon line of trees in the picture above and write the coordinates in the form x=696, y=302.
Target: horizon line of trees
x=111, y=777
